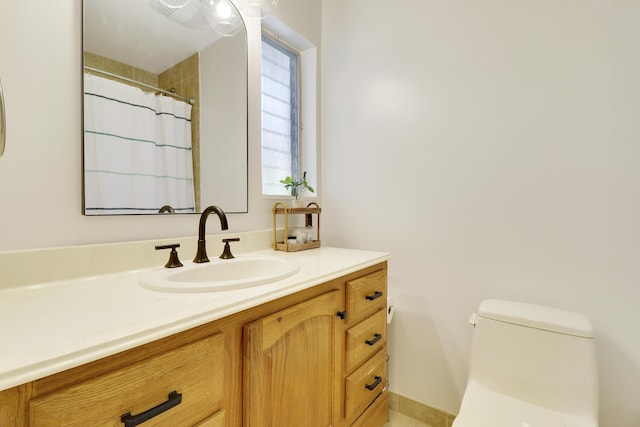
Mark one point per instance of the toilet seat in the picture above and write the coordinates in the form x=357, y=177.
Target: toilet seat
x=484, y=408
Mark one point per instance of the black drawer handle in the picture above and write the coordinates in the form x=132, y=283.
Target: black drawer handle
x=377, y=295
x=375, y=339
x=375, y=384
x=133, y=420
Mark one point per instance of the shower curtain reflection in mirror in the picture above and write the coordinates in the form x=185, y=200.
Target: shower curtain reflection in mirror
x=137, y=150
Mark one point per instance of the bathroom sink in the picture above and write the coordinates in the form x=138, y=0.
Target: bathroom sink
x=220, y=275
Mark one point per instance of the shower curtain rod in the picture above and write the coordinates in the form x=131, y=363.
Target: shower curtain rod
x=147, y=86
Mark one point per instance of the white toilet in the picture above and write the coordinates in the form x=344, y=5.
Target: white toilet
x=530, y=366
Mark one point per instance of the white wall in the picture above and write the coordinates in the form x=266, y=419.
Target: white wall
x=492, y=146
x=40, y=172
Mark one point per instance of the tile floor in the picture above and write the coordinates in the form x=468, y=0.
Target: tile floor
x=396, y=419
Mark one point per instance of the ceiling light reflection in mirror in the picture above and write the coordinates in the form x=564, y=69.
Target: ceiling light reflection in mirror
x=222, y=17
x=259, y=9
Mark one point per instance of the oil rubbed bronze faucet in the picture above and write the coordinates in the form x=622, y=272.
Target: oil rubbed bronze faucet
x=201, y=255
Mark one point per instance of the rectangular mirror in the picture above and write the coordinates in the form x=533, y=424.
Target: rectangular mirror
x=165, y=107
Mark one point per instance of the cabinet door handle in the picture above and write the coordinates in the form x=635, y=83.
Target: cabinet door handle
x=373, y=385
x=375, y=339
x=3, y=123
x=377, y=295
x=129, y=420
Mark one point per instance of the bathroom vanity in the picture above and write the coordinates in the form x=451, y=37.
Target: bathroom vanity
x=307, y=350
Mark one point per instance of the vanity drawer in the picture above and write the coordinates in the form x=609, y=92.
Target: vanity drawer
x=366, y=338
x=365, y=384
x=366, y=295
x=377, y=414
x=195, y=371
x=216, y=420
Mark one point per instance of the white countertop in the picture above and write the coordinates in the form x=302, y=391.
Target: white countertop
x=50, y=327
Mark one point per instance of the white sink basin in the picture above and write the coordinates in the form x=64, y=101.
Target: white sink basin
x=220, y=275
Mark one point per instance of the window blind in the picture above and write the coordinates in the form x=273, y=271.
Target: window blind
x=279, y=115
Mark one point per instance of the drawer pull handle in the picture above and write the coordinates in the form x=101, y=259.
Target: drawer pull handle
x=375, y=384
x=375, y=339
x=129, y=420
x=376, y=295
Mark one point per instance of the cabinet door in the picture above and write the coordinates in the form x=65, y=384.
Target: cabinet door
x=289, y=365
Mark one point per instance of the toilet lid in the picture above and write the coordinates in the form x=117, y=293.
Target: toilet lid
x=537, y=316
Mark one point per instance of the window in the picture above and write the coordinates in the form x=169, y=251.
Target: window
x=280, y=115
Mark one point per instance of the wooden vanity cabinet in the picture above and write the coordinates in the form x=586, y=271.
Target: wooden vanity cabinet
x=321, y=362
x=295, y=361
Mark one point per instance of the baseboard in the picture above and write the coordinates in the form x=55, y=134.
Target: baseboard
x=419, y=411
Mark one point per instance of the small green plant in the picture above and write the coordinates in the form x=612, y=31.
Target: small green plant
x=297, y=188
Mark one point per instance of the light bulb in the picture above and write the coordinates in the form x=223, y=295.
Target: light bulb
x=258, y=9
x=222, y=16
x=223, y=10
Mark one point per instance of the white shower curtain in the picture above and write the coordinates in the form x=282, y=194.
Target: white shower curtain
x=138, y=154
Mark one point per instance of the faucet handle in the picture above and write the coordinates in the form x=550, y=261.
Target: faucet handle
x=226, y=253
x=173, y=256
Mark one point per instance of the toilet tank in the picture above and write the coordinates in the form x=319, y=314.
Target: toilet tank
x=541, y=355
